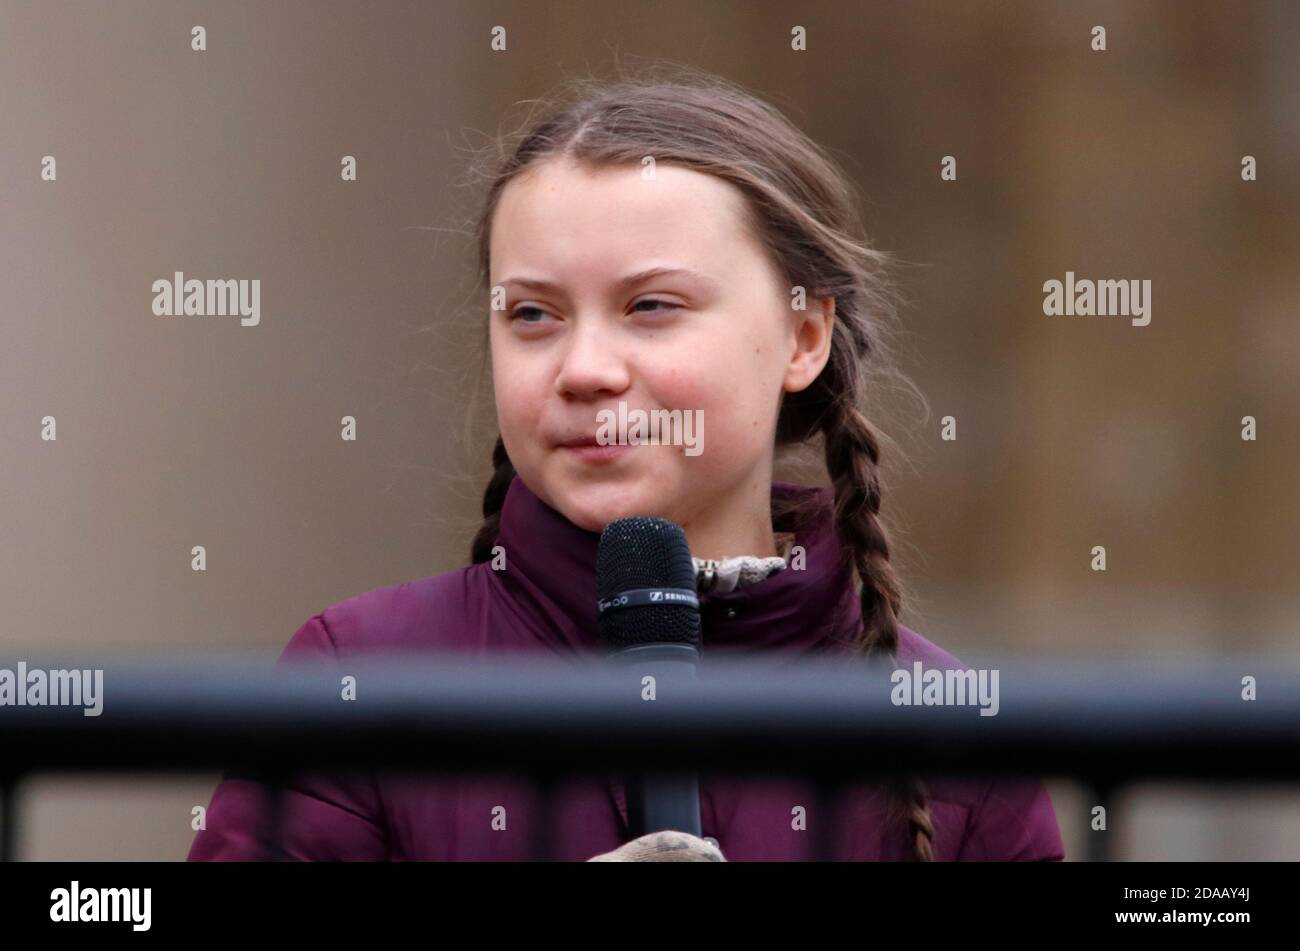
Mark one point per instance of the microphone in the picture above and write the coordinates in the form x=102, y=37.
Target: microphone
x=649, y=614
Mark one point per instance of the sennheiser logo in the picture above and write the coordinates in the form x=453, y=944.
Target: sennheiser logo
x=102, y=904
x=671, y=596
x=643, y=596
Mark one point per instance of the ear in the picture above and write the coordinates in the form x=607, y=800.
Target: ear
x=812, y=344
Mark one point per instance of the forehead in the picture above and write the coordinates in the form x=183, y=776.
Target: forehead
x=562, y=215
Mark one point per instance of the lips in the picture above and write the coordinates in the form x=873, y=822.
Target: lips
x=577, y=441
x=587, y=451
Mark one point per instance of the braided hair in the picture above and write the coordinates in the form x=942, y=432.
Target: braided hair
x=805, y=210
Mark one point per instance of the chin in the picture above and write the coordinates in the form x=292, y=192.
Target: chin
x=592, y=507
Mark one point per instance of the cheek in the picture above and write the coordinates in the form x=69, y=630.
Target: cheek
x=733, y=393
x=518, y=408
x=515, y=391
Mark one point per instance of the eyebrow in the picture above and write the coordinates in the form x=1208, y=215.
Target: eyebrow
x=537, y=284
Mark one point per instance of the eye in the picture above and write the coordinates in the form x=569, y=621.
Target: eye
x=664, y=305
x=526, y=309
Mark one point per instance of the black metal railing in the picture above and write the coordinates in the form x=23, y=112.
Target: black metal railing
x=1104, y=725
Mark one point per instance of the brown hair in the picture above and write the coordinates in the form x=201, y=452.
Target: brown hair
x=804, y=208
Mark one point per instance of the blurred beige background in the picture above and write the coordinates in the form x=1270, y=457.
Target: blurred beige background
x=1071, y=432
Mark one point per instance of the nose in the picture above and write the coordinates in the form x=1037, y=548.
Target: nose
x=593, y=364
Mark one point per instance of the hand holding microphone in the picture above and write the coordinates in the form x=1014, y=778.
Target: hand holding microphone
x=663, y=847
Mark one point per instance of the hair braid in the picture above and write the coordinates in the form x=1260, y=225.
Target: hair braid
x=853, y=462
x=803, y=208
x=494, y=498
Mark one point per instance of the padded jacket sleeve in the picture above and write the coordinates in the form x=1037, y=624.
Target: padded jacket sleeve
x=1013, y=822
x=324, y=817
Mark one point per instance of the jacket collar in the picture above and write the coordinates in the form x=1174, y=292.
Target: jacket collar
x=551, y=578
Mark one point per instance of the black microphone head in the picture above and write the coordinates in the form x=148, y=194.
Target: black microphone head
x=644, y=553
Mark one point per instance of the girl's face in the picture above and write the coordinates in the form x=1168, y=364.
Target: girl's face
x=712, y=336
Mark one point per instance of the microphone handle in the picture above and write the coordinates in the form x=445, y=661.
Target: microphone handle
x=659, y=801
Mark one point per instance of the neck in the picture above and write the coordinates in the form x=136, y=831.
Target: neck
x=738, y=523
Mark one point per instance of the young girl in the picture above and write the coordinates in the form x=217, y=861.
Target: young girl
x=665, y=242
